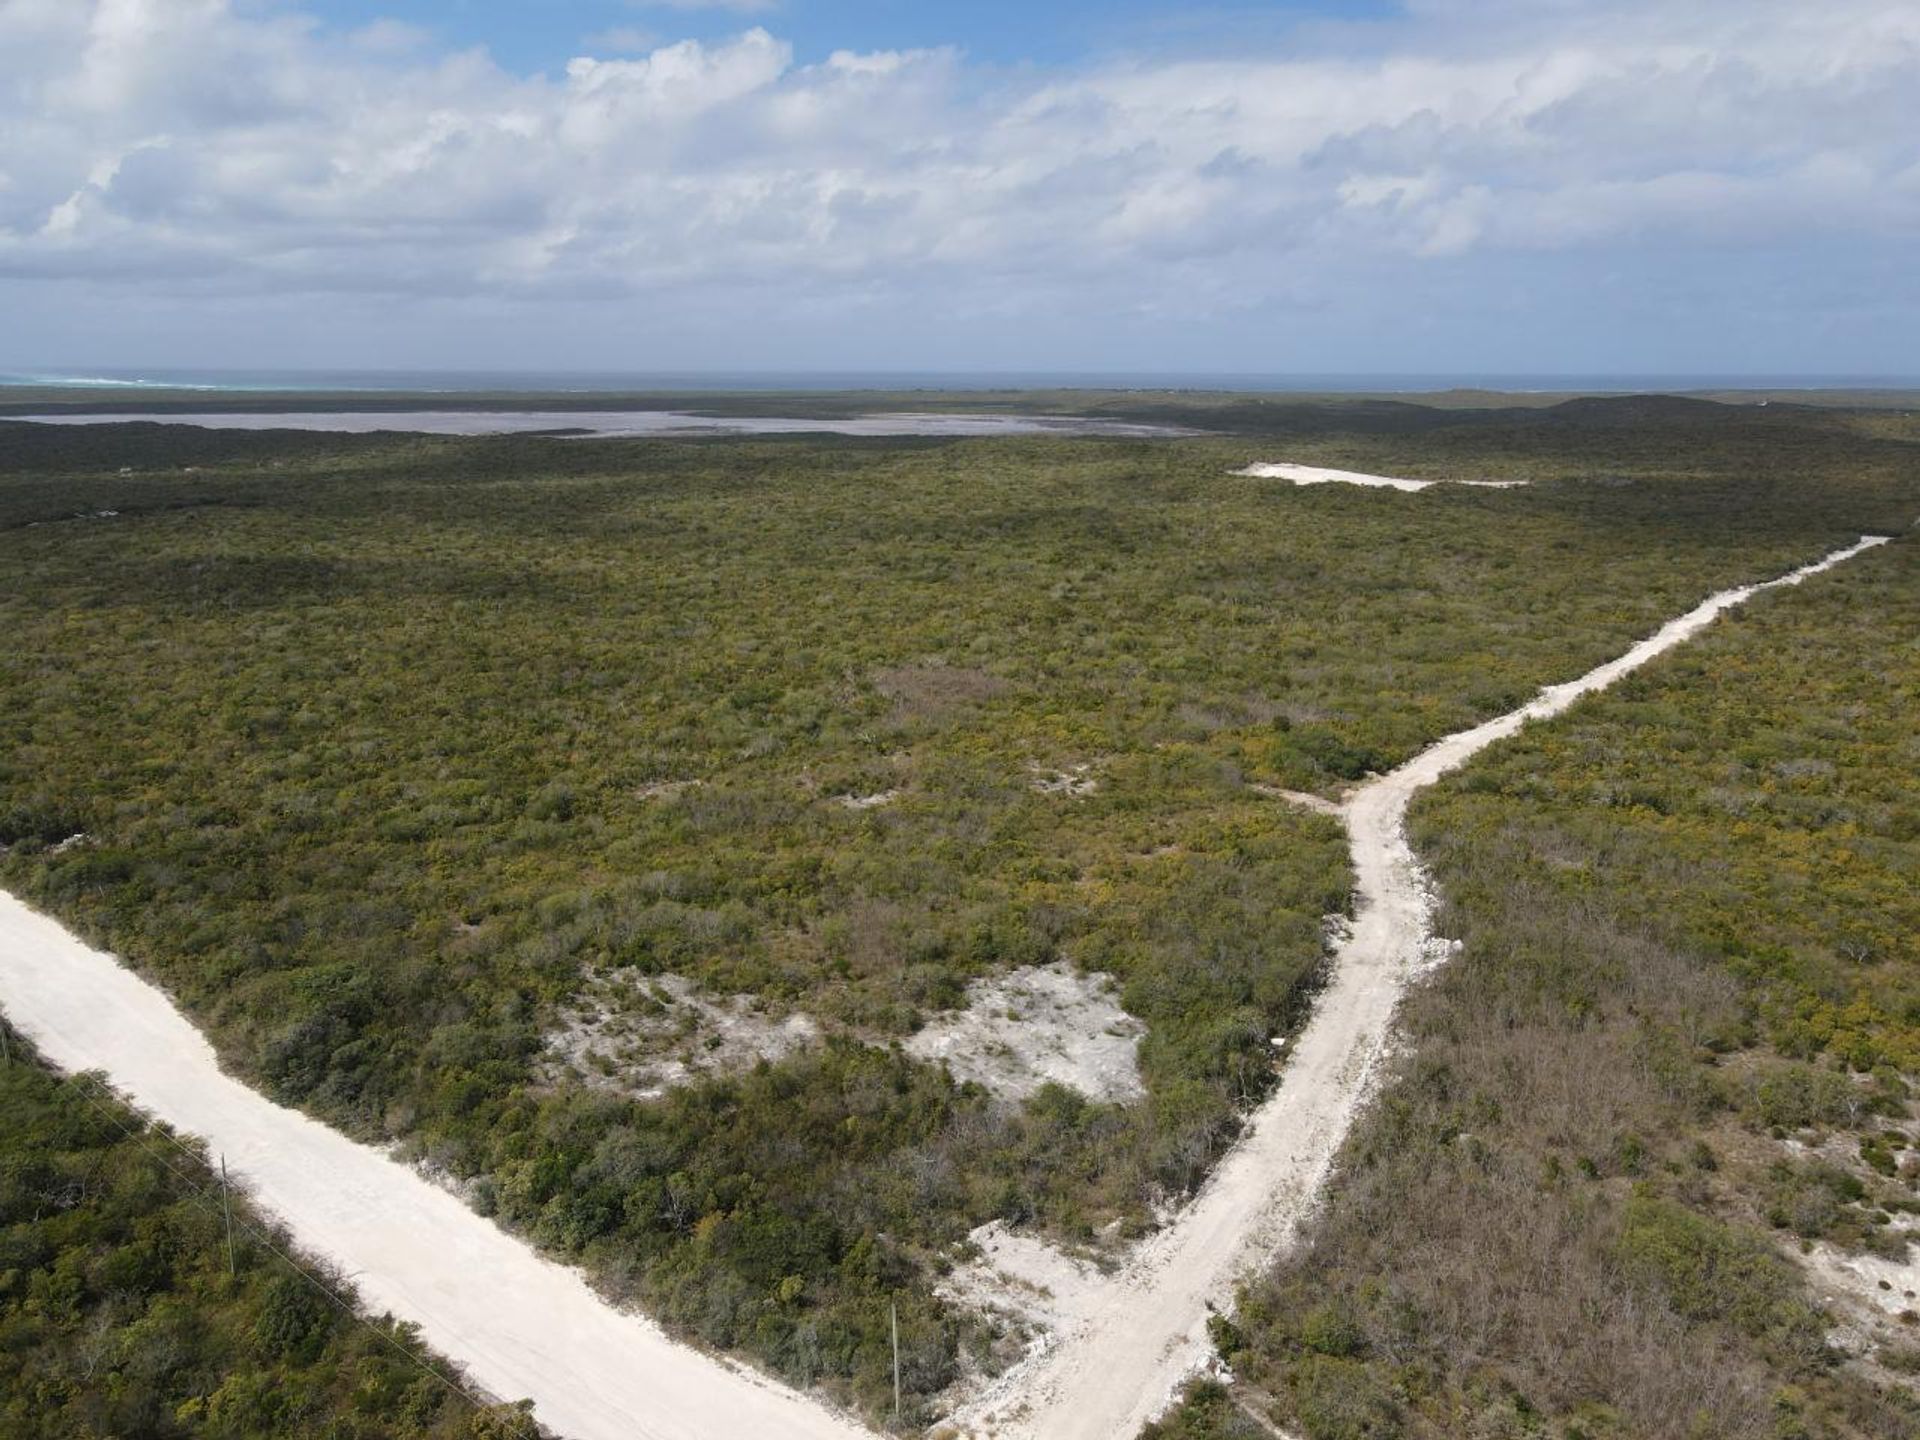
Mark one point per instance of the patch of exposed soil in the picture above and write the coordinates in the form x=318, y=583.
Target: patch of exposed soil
x=1076, y=781
x=1031, y=1289
x=869, y=802
x=1048, y=1023
x=644, y=1035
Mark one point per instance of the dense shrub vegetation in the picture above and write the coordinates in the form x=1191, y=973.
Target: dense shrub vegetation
x=119, y=1317
x=1681, y=1041
x=381, y=747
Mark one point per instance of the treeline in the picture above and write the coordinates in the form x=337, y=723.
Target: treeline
x=120, y=1314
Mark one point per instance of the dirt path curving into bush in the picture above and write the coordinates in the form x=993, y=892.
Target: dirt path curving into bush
x=1121, y=1365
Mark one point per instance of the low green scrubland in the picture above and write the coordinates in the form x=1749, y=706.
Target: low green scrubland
x=119, y=1315
x=1681, y=1041
x=382, y=749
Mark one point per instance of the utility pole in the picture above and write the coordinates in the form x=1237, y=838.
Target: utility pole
x=226, y=1205
x=895, y=1306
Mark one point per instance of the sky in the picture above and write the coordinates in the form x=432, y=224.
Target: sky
x=1446, y=187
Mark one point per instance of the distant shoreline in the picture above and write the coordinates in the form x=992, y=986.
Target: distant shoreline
x=616, y=424
x=107, y=382
x=1061, y=400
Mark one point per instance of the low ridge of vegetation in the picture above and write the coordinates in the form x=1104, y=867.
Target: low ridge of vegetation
x=382, y=749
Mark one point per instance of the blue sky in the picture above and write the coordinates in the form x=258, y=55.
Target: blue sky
x=1435, y=186
x=545, y=34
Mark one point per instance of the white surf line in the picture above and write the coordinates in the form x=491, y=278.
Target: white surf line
x=1121, y=1365
x=517, y=1324
x=1320, y=475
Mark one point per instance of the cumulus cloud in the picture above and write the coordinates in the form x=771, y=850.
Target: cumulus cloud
x=236, y=147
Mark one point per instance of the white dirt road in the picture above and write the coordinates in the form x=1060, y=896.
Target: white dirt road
x=1120, y=1366
x=518, y=1324
x=522, y=1326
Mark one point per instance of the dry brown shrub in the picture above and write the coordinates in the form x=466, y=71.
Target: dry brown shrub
x=935, y=693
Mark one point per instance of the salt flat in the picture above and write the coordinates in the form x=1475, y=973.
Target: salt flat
x=1321, y=475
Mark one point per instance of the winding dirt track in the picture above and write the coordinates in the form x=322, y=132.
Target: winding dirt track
x=521, y=1325
x=1120, y=1366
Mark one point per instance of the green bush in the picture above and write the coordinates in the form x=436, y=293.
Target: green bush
x=1340, y=1399
x=118, y=1315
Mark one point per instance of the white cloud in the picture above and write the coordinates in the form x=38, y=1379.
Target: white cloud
x=237, y=147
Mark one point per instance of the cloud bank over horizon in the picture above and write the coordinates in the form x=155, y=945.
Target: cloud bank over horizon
x=1517, y=185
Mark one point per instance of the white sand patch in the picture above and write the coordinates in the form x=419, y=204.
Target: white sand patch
x=1076, y=781
x=667, y=789
x=1042, y=1024
x=1872, y=1301
x=1884, y=1287
x=642, y=1036
x=869, y=802
x=1034, y=1289
x=1321, y=475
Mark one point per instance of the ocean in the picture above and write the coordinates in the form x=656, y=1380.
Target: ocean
x=564, y=382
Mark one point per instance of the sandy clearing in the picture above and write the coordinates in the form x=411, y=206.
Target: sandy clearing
x=1872, y=1302
x=1024, y=1277
x=1887, y=1288
x=1121, y=1365
x=642, y=1036
x=876, y=801
x=1044, y=1023
x=1076, y=781
x=520, y=1325
x=1320, y=475
x=1026, y=1289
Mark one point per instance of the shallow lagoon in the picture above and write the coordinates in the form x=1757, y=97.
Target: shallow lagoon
x=621, y=424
